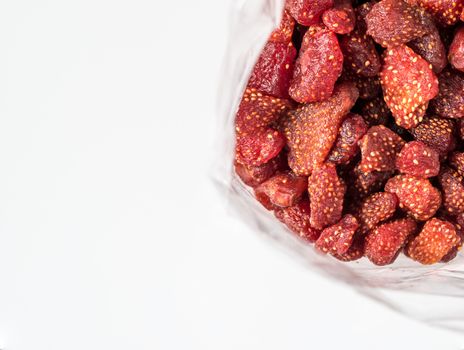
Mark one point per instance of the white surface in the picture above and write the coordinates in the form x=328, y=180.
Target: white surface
x=111, y=235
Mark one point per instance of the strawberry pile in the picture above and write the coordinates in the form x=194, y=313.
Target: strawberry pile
x=351, y=128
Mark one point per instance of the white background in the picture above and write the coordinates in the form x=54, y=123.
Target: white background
x=111, y=234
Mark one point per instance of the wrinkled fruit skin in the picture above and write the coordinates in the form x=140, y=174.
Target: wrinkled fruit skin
x=452, y=187
x=456, y=50
x=408, y=83
x=437, y=133
x=337, y=239
x=449, y=102
x=274, y=70
x=312, y=129
x=446, y=12
x=296, y=218
x=307, y=12
x=363, y=183
x=318, y=66
x=284, y=33
x=255, y=175
x=346, y=147
x=456, y=161
x=341, y=18
x=375, y=112
x=419, y=160
x=435, y=240
x=385, y=242
x=281, y=191
x=375, y=209
x=417, y=197
x=326, y=194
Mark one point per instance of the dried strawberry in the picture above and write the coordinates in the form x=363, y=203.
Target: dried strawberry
x=453, y=191
x=257, y=111
x=274, y=69
x=456, y=161
x=255, y=175
x=258, y=148
x=362, y=184
x=346, y=146
x=450, y=100
x=430, y=47
x=359, y=54
x=326, y=194
x=375, y=112
x=418, y=159
x=379, y=147
x=457, y=221
x=408, y=83
x=355, y=252
x=341, y=18
x=416, y=196
x=307, y=12
x=383, y=244
x=312, y=130
x=318, y=66
x=435, y=240
x=296, y=218
x=284, y=33
x=447, y=12
x=369, y=87
x=376, y=208
x=394, y=22
x=281, y=190
x=460, y=128
x=437, y=133
x=338, y=238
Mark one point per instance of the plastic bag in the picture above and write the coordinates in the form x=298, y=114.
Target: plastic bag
x=428, y=293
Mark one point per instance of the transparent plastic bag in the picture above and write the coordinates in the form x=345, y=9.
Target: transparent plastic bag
x=432, y=294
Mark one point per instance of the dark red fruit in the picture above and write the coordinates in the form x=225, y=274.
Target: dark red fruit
x=363, y=184
x=341, y=18
x=383, y=244
x=419, y=160
x=307, y=12
x=375, y=112
x=318, y=66
x=435, y=240
x=346, y=146
x=255, y=175
x=284, y=33
x=416, y=196
x=447, y=12
x=355, y=252
x=326, y=194
x=437, y=133
x=460, y=128
x=312, y=130
x=297, y=220
x=258, y=148
x=408, y=83
x=359, y=54
x=338, y=238
x=456, y=160
x=453, y=191
x=375, y=209
x=281, y=190
x=379, y=148
x=449, y=102
x=369, y=87
x=394, y=22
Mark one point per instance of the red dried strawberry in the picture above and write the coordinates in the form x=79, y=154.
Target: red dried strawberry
x=375, y=112
x=437, y=133
x=258, y=148
x=453, y=191
x=362, y=184
x=383, y=244
x=460, y=128
x=430, y=47
x=450, y=100
x=408, y=83
x=318, y=66
x=379, y=147
x=255, y=175
x=297, y=220
x=346, y=146
x=312, y=130
x=458, y=222
x=369, y=87
x=326, y=194
x=376, y=208
x=282, y=190
x=283, y=34
x=419, y=160
x=274, y=69
x=416, y=196
x=355, y=252
x=447, y=12
x=307, y=12
x=359, y=54
x=338, y=238
x=435, y=240
x=456, y=161
x=340, y=19
x=257, y=111
x=394, y=22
